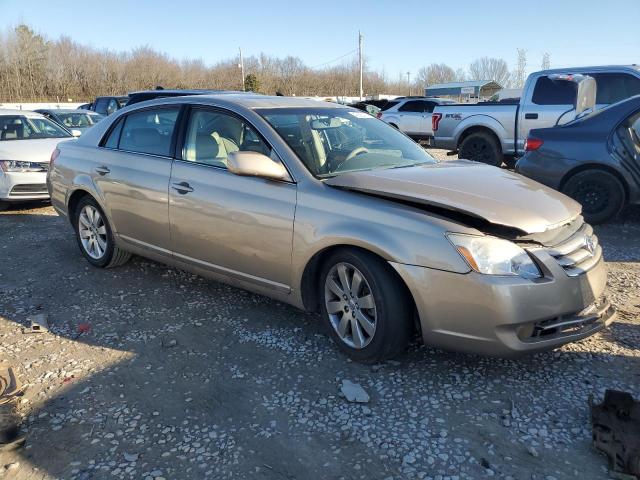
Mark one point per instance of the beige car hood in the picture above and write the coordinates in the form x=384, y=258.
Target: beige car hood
x=495, y=195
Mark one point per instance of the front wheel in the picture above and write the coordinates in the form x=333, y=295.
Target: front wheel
x=95, y=236
x=600, y=193
x=368, y=310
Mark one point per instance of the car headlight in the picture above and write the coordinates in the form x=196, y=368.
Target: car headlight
x=21, y=166
x=494, y=256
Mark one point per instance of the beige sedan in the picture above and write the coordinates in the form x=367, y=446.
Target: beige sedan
x=331, y=210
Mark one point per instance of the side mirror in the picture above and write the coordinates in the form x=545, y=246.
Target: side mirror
x=254, y=164
x=76, y=132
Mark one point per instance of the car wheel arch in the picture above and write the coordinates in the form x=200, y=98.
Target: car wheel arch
x=477, y=129
x=78, y=194
x=309, y=278
x=597, y=166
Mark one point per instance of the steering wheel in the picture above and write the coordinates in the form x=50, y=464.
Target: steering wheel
x=354, y=152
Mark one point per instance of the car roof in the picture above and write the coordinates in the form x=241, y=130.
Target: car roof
x=247, y=100
x=25, y=113
x=596, y=68
x=193, y=91
x=68, y=110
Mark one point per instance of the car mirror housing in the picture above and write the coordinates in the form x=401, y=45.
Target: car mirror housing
x=76, y=133
x=255, y=164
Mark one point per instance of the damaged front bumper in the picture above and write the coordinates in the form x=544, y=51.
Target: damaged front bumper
x=507, y=316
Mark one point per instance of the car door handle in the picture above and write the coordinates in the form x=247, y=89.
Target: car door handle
x=102, y=170
x=531, y=116
x=182, y=188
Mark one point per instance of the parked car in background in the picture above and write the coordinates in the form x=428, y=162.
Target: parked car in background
x=595, y=160
x=493, y=132
x=144, y=95
x=79, y=120
x=412, y=115
x=327, y=208
x=85, y=106
x=107, y=105
x=27, y=140
x=366, y=107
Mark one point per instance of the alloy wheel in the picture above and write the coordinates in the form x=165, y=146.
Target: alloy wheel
x=350, y=305
x=93, y=232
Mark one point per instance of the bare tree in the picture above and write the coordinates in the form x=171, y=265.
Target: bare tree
x=435, y=73
x=519, y=75
x=487, y=68
x=546, y=61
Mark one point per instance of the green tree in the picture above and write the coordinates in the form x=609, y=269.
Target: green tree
x=252, y=83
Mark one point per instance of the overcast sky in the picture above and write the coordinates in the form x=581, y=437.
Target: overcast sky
x=399, y=36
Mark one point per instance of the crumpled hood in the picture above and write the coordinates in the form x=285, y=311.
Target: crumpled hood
x=36, y=150
x=495, y=195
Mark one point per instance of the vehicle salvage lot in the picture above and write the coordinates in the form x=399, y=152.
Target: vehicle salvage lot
x=150, y=372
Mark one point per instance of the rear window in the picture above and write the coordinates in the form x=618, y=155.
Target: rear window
x=548, y=92
x=388, y=105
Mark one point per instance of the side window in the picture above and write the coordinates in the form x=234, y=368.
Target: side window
x=548, y=92
x=112, y=107
x=613, y=87
x=629, y=134
x=429, y=106
x=149, y=131
x=114, y=135
x=101, y=105
x=412, y=106
x=212, y=135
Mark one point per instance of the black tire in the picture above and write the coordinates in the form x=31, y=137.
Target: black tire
x=393, y=306
x=113, y=255
x=600, y=193
x=481, y=147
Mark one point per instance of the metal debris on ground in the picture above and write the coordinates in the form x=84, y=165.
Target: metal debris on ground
x=9, y=420
x=616, y=431
x=38, y=323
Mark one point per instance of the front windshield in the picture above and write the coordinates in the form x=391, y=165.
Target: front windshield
x=331, y=141
x=77, y=120
x=21, y=127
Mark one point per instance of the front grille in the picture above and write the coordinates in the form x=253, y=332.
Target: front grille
x=28, y=189
x=579, y=253
x=591, y=318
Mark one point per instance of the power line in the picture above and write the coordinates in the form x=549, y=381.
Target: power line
x=336, y=59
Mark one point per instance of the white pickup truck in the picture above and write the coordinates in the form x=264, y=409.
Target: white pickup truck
x=495, y=132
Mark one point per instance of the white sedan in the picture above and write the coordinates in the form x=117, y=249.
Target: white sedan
x=27, y=140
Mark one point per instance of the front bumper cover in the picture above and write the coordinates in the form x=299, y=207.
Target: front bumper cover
x=507, y=316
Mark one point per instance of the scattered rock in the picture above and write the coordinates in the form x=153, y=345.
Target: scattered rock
x=354, y=392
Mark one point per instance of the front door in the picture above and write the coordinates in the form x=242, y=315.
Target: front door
x=237, y=226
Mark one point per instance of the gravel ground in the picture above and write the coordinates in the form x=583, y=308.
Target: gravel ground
x=150, y=373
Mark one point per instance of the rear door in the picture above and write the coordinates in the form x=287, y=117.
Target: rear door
x=543, y=105
x=131, y=171
x=240, y=227
x=411, y=116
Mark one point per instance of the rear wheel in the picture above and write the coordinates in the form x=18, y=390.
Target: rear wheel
x=95, y=236
x=368, y=311
x=600, y=193
x=481, y=147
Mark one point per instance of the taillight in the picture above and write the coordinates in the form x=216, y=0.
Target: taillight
x=531, y=144
x=379, y=114
x=435, y=121
x=55, y=154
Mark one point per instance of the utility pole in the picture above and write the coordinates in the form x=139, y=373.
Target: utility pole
x=360, y=60
x=409, y=81
x=241, y=66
